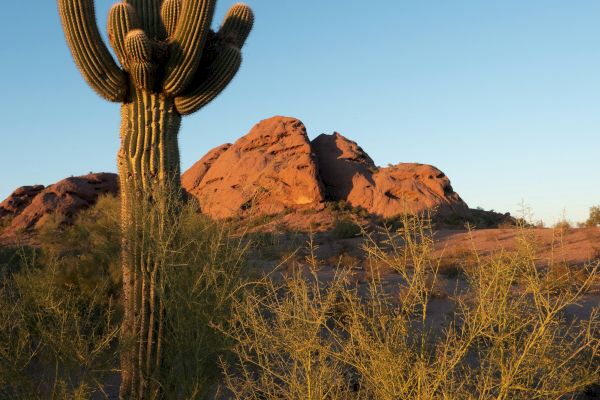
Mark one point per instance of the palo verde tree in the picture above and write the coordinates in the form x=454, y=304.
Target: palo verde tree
x=171, y=65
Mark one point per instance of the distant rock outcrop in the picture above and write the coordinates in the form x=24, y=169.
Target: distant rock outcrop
x=349, y=174
x=19, y=200
x=274, y=168
x=269, y=170
x=29, y=206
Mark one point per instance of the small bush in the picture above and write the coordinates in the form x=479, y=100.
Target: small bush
x=5, y=223
x=563, y=226
x=594, y=218
x=345, y=229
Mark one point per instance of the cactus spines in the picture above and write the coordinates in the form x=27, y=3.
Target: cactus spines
x=173, y=65
x=237, y=24
x=213, y=81
x=121, y=20
x=138, y=46
x=170, y=15
x=187, y=44
x=149, y=13
x=139, y=51
x=89, y=51
x=143, y=75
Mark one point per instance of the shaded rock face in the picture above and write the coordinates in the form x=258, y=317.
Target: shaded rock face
x=19, y=200
x=342, y=165
x=269, y=170
x=349, y=174
x=31, y=205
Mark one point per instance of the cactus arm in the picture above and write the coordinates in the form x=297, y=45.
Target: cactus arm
x=170, y=15
x=237, y=25
x=214, y=80
x=149, y=13
x=90, y=53
x=187, y=44
x=121, y=19
x=139, y=50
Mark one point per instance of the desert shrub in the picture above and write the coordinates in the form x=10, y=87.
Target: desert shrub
x=345, y=228
x=345, y=260
x=5, y=223
x=55, y=341
x=58, y=334
x=89, y=249
x=507, y=338
x=59, y=321
x=563, y=226
x=594, y=218
x=201, y=283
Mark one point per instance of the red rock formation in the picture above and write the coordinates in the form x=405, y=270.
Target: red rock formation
x=192, y=178
x=349, y=174
x=343, y=165
x=270, y=169
x=65, y=199
x=19, y=200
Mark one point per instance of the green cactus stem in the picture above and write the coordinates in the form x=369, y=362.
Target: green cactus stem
x=172, y=64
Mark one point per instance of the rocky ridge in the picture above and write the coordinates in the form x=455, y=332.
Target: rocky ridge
x=273, y=169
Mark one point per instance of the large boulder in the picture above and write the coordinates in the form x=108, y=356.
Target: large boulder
x=19, y=200
x=343, y=165
x=192, y=178
x=267, y=171
x=349, y=174
x=28, y=207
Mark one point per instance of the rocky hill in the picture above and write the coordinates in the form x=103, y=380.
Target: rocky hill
x=274, y=168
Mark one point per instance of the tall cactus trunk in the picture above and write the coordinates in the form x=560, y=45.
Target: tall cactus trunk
x=171, y=64
x=148, y=163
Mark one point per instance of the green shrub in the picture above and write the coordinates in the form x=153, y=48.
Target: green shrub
x=345, y=229
x=55, y=341
x=58, y=328
x=89, y=249
x=594, y=218
x=200, y=287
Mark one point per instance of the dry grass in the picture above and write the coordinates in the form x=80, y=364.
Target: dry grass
x=508, y=337
x=303, y=332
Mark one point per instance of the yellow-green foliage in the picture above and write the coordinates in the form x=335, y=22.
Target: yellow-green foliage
x=508, y=337
x=59, y=322
x=201, y=283
x=594, y=218
x=55, y=340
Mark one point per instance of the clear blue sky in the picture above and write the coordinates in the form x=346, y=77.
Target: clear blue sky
x=503, y=96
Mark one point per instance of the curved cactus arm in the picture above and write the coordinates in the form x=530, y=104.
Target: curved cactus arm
x=187, y=44
x=214, y=80
x=237, y=25
x=170, y=15
x=121, y=20
x=91, y=55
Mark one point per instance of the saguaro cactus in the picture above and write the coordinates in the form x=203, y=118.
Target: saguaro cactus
x=171, y=64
